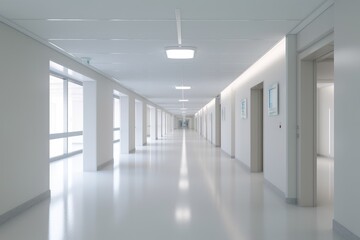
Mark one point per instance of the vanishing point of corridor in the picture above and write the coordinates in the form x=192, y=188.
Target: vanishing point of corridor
x=179, y=187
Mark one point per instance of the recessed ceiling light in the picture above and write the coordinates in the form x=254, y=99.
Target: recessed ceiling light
x=183, y=87
x=183, y=100
x=180, y=52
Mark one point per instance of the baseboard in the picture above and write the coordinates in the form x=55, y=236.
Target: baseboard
x=243, y=165
x=325, y=156
x=292, y=201
x=275, y=189
x=25, y=206
x=229, y=155
x=105, y=164
x=343, y=231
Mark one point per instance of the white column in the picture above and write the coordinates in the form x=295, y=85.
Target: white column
x=124, y=124
x=90, y=126
x=144, y=123
x=163, y=123
x=139, y=120
x=217, y=122
x=127, y=127
x=159, y=118
x=153, y=124
x=131, y=124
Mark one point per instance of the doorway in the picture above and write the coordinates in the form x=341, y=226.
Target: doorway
x=325, y=129
x=315, y=123
x=256, y=127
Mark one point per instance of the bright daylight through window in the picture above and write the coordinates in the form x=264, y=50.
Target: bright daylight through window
x=66, y=117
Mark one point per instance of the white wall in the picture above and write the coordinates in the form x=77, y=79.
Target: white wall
x=24, y=126
x=203, y=125
x=277, y=66
x=319, y=28
x=24, y=122
x=228, y=121
x=210, y=109
x=104, y=122
x=347, y=114
x=325, y=121
x=271, y=69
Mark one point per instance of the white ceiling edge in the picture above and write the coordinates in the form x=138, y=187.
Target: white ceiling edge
x=312, y=16
x=307, y=20
x=63, y=52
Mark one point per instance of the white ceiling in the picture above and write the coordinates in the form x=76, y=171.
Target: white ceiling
x=126, y=39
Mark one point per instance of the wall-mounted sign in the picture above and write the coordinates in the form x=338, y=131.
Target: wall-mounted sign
x=223, y=114
x=273, y=100
x=243, y=108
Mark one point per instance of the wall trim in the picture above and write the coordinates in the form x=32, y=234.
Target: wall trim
x=292, y=201
x=244, y=166
x=275, y=189
x=315, y=14
x=58, y=49
x=24, y=206
x=343, y=231
x=105, y=164
x=325, y=156
x=229, y=155
x=270, y=185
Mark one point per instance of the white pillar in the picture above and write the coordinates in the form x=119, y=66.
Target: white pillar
x=144, y=123
x=90, y=126
x=127, y=127
x=217, y=122
x=159, y=118
x=153, y=124
x=163, y=124
x=139, y=123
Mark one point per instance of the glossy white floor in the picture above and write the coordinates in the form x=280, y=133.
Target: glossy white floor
x=179, y=187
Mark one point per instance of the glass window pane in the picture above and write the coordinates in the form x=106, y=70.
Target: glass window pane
x=75, y=107
x=56, y=105
x=57, y=147
x=116, y=113
x=75, y=143
x=116, y=135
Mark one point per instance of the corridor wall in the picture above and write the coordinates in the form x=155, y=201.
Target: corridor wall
x=24, y=128
x=347, y=118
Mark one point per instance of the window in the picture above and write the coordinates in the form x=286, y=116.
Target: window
x=66, y=117
x=116, y=119
x=56, y=105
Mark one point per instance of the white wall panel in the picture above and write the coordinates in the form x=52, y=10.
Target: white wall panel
x=319, y=28
x=24, y=126
x=347, y=115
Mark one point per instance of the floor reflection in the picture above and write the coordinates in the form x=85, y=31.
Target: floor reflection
x=179, y=187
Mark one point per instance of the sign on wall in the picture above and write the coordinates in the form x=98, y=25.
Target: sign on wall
x=273, y=100
x=243, y=110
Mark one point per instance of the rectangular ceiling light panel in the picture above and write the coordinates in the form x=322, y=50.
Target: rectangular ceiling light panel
x=180, y=53
x=182, y=87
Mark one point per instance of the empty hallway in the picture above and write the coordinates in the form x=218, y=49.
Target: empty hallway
x=178, y=187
